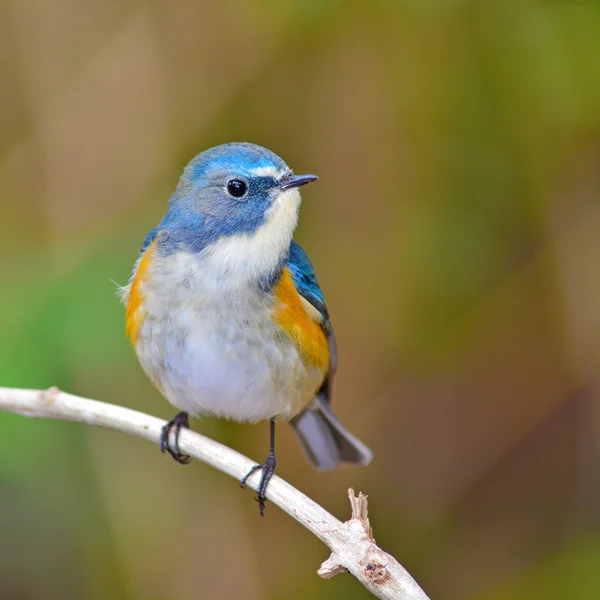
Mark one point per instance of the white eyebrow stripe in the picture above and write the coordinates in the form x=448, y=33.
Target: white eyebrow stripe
x=265, y=172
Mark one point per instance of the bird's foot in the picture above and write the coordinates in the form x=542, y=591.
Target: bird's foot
x=179, y=421
x=268, y=469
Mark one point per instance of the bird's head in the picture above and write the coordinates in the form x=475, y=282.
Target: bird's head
x=239, y=193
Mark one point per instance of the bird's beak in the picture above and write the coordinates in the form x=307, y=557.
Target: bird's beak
x=292, y=181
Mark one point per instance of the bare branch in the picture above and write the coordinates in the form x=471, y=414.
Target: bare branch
x=352, y=544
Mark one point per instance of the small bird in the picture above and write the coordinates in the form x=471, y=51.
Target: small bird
x=225, y=313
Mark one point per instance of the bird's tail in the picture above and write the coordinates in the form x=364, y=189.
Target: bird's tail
x=325, y=440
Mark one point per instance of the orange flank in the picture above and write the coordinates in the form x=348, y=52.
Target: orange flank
x=305, y=332
x=135, y=315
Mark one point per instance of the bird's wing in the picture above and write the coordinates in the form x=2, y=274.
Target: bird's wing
x=149, y=239
x=305, y=282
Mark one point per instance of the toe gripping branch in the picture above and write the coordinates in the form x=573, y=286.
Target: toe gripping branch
x=170, y=443
x=267, y=468
x=179, y=421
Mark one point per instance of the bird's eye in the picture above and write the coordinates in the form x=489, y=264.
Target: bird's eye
x=236, y=187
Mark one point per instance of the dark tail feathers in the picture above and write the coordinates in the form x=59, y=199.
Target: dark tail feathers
x=324, y=439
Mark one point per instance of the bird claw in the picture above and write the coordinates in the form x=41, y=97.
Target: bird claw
x=268, y=470
x=181, y=420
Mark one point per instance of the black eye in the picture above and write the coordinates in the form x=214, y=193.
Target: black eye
x=236, y=187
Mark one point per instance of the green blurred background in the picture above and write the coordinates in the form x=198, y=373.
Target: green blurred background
x=456, y=233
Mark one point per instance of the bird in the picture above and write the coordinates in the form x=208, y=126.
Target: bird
x=225, y=313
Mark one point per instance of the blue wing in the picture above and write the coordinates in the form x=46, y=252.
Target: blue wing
x=305, y=280
x=149, y=239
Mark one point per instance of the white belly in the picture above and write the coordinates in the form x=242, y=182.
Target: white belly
x=228, y=359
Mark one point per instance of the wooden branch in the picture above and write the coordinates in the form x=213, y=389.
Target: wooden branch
x=352, y=544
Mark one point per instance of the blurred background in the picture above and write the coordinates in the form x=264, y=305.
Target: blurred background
x=455, y=230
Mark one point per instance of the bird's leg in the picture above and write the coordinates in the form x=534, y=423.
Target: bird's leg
x=267, y=468
x=175, y=424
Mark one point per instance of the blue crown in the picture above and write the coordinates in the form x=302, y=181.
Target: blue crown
x=236, y=156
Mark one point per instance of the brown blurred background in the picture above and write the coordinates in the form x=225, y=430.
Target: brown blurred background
x=456, y=233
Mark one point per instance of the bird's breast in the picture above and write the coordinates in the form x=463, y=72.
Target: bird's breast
x=214, y=345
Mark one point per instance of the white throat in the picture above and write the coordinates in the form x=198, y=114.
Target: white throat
x=244, y=257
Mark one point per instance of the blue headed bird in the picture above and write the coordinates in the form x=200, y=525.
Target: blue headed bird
x=225, y=313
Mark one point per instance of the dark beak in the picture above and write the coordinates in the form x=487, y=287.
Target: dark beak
x=292, y=181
